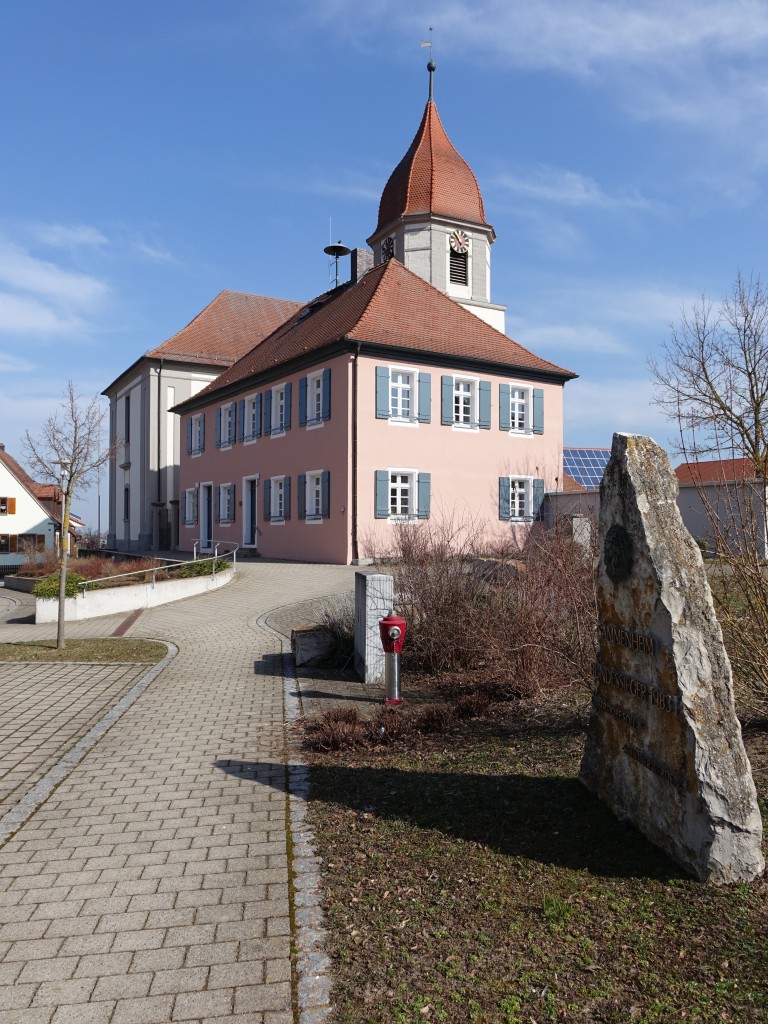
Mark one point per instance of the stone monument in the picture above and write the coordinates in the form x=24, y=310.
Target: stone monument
x=664, y=747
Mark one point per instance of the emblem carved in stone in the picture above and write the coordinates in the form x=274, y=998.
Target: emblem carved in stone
x=618, y=553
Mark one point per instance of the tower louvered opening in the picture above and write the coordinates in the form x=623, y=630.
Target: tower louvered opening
x=459, y=267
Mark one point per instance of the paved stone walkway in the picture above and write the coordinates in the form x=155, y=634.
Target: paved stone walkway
x=153, y=885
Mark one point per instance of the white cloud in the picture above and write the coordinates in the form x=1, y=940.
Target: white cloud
x=153, y=252
x=594, y=410
x=574, y=338
x=567, y=188
x=23, y=314
x=20, y=270
x=69, y=236
x=10, y=363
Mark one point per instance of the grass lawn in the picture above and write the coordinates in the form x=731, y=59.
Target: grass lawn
x=102, y=649
x=471, y=878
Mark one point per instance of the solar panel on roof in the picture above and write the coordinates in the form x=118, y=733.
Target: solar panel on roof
x=586, y=465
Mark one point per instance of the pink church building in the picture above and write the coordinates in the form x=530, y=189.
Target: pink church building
x=395, y=397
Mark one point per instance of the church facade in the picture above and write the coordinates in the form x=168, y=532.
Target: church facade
x=395, y=397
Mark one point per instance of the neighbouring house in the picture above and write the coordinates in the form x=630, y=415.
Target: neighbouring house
x=395, y=397
x=143, y=475
x=723, y=504
x=30, y=516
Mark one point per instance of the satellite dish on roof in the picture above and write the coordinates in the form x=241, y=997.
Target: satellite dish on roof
x=335, y=251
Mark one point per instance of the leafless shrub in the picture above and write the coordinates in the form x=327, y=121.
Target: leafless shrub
x=390, y=725
x=338, y=729
x=337, y=615
x=527, y=611
x=432, y=717
x=472, y=705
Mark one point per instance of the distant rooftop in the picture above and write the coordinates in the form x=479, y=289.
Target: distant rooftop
x=586, y=465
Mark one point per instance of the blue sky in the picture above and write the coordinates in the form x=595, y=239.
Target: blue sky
x=157, y=153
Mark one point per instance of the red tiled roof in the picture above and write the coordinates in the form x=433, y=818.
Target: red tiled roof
x=571, y=486
x=432, y=178
x=715, y=471
x=391, y=306
x=43, y=492
x=226, y=329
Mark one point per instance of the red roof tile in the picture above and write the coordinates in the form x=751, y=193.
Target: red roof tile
x=43, y=492
x=715, y=471
x=431, y=178
x=226, y=329
x=391, y=306
x=571, y=486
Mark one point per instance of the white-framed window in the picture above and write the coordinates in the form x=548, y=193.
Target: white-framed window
x=278, y=409
x=314, y=496
x=226, y=503
x=314, y=399
x=519, y=409
x=226, y=425
x=401, y=488
x=464, y=402
x=196, y=433
x=251, y=417
x=520, y=498
x=401, y=395
x=402, y=494
x=190, y=506
x=277, y=498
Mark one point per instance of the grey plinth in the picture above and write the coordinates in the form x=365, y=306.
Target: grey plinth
x=374, y=597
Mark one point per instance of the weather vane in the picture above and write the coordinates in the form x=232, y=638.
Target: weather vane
x=431, y=65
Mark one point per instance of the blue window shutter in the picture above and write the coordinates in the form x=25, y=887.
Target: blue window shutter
x=287, y=497
x=218, y=427
x=232, y=503
x=232, y=423
x=425, y=397
x=302, y=490
x=195, y=502
x=446, y=404
x=288, y=406
x=217, y=503
x=484, y=419
x=326, y=394
x=268, y=412
x=267, y=500
x=258, y=416
x=538, y=410
x=504, y=497
x=202, y=431
x=504, y=398
x=538, y=498
x=241, y=419
x=325, y=494
x=423, y=487
x=382, y=393
x=189, y=435
x=382, y=494
x=303, y=402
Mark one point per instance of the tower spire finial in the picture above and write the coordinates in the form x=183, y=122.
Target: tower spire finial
x=431, y=65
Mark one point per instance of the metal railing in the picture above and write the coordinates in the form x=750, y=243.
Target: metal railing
x=170, y=566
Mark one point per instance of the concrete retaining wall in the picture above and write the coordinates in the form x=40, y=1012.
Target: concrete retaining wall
x=91, y=604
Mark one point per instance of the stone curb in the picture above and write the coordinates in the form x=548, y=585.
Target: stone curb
x=313, y=967
x=11, y=822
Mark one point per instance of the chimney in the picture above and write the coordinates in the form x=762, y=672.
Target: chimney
x=361, y=260
x=2, y=446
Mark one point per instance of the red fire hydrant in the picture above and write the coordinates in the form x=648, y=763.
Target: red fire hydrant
x=392, y=629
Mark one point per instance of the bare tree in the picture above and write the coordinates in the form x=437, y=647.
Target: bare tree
x=713, y=384
x=69, y=451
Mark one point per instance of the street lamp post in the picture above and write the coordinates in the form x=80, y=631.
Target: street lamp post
x=64, y=465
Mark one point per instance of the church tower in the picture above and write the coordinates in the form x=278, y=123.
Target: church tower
x=432, y=219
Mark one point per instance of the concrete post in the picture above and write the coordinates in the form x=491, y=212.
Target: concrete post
x=374, y=598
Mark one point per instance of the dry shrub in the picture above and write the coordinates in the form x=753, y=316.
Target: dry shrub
x=527, y=612
x=339, y=729
x=390, y=725
x=472, y=705
x=432, y=718
x=337, y=616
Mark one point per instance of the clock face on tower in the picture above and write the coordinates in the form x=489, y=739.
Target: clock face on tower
x=459, y=241
x=387, y=249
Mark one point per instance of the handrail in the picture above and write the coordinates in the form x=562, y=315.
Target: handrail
x=84, y=584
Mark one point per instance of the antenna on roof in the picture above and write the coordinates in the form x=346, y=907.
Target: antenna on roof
x=335, y=251
x=431, y=65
